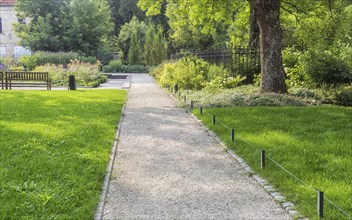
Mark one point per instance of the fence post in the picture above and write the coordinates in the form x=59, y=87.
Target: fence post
x=184, y=98
x=320, y=206
x=192, y=104
x=175, y=88
x=214, y=119
x=201, y=110
x=233, y=135
x=262, y=159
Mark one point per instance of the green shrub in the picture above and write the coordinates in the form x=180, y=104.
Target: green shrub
x=28, y=62
x=344, y=96
x=55, y=57
x=224, y=82
x=193, y=73
x=290, y=57
x=323, y=67
x=115, y=65
x=58, y=75
x=297, y=77
x=188, y=73
x=90, y=59
x=215, y=71
x=134, y=69
x=107, y=69
x=86, y=74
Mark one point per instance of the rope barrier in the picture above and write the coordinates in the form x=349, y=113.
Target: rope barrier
x=336, y=206
x=291, y=174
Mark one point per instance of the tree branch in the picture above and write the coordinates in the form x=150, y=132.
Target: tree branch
x=295, y=7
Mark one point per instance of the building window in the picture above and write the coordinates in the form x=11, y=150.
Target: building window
x=0, y=25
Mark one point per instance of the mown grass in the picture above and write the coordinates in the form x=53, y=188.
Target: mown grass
x=54, y=149
x=314, y=143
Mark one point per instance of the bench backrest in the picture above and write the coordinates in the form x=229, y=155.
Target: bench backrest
x=34, y=76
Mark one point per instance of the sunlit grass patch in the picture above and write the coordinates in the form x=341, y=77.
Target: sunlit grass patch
x=314, y=143
x=54, y=149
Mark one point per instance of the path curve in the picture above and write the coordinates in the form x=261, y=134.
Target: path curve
x=168, y=167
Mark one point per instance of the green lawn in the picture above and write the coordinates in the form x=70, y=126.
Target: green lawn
x=314, y=143
x=54, y=150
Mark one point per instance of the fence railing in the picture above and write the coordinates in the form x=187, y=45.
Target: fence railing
x=265, y=155
x=240, y=61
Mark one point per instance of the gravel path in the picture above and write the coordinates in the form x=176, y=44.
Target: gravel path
x=168, y=167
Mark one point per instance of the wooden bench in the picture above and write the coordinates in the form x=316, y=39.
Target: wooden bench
x=27, y=79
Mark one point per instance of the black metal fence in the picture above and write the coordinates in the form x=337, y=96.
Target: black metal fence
x=240, y=61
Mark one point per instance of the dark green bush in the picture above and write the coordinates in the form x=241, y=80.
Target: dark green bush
x=134, y=69
x=107, y=69
x=54, y=58
x=344, y=96
x=90, y=59
x=325, y=68
x=116, y=66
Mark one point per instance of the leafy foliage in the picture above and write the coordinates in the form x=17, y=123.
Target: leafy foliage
x=125, y=35
x=86, y=74
x=64, y=25
x=134, y=53
x=323, y=67
x=191, y=72
x=155, y=46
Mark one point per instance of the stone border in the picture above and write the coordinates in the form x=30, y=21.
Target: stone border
x=100, y=209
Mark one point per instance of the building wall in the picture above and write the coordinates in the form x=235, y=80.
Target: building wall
x=8, y=39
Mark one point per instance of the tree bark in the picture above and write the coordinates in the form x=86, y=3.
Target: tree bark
x=267, y=13
x=254, y=31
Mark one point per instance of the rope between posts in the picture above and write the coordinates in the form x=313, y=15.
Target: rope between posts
x=336, y=206
x=224, y=125
x=291, y=174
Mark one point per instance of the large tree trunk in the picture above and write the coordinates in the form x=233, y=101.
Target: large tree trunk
x=268, y=19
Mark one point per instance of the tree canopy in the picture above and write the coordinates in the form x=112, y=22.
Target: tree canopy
x=63, y=25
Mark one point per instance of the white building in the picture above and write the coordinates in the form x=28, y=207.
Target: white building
x=8, y=40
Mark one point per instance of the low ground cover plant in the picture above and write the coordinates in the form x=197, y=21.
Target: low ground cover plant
x=313, y=143
x=55, y=146
x=247, y=95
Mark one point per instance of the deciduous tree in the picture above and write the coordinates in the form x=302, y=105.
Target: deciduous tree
x=267, y=13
